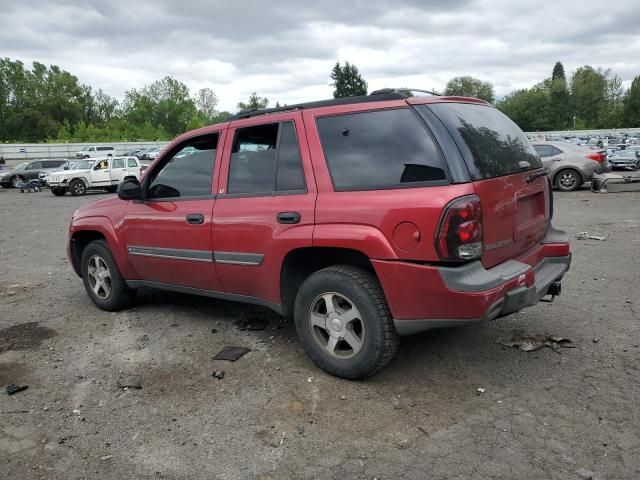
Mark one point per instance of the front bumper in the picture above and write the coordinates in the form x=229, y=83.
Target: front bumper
x=422, y=297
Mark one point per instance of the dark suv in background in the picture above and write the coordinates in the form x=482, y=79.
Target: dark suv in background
x=26, y=171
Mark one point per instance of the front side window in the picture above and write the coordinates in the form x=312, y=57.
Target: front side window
x=265, y=159
x=379, y=149
x=186, y=171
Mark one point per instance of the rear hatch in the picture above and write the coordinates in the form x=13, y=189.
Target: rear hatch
x=503, y=167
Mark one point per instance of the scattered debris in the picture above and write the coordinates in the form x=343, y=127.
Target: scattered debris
x=534, y=342
x=423, y=431
x=300, y=429
x=231, y=354
x=15, y=411
x=586, y=236
x=213, y=330
x=106, y=457
x=13, y=388
x=343, y=397
x=219, y=374
x=310, y=379
x=76, y=412
x=595, y=340
x=481, y=390
x=129, y=382
x=282, y=439
x=174, y=324
x=252, y=324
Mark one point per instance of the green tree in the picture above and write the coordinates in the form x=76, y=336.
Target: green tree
x=558, y=72
x=347, y=81
x=530, y=108
x=631, y=104
x=589, y=96
x=254, y=102
x=470, y=87
x=206, y=103
x=560, y=99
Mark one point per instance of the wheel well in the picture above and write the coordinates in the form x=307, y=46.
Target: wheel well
x=555, y=177
x=302, y=262
x=79, y=242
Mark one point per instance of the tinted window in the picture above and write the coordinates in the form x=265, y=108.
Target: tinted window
x=132, y=163
x=103, y=149
x=252, y=167
x=34, y=166
x=187, y=171
x=379, y=149
x=118, y=163
x=491, y=144
x=543, y=150
x=555, y=151
x=289, y=175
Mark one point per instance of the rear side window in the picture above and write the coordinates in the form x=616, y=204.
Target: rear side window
x=104, y=149
x=132, y=163
x=381, y=149
x=265, y=159
x=118, y=163
x=491, y=144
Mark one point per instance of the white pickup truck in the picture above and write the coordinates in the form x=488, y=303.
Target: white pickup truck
x=101, y=174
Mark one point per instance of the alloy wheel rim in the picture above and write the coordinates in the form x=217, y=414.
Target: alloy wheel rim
x=78, y=187
x=568, y=180
x=17, y=180
x=337, y=325
x=99, y=277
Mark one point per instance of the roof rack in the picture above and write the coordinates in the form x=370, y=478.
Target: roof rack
x=383, y=91
x=377, y=96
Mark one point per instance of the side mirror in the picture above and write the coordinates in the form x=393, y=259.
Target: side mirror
x=66, y=168
x=130, y=189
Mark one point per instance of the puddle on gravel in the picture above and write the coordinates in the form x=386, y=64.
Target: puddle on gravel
x=24, y=336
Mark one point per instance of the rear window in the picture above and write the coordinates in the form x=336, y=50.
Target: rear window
x=491, y=144
x=380, y=149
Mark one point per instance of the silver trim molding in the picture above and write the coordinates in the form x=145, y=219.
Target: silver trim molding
x=238, y=258
x=172, y=253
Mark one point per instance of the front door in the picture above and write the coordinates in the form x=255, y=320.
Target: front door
x=265, y=203
x=168, y=234
x=100, y=175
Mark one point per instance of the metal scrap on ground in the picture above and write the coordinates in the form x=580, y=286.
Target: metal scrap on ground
x=586, y=236
x=529, y=343
x=231, y=353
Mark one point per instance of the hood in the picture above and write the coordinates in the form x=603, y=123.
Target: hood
x=100, y=208
x=71, y=172
x=7, y=171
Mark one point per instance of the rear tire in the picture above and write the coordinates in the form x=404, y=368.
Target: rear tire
x=568, y=180
x=58, y=192
x=344, y=323
x=77, y=188
x=102, y=279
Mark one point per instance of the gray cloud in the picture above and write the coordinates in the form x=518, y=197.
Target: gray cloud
x=285, y=49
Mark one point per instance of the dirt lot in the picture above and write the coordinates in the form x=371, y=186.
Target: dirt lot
x=570, y=414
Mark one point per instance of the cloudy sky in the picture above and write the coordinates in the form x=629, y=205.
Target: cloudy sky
x=285, y=49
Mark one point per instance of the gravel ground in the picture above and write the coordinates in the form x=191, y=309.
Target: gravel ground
x=566, y=414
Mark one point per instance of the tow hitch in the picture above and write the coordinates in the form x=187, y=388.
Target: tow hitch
x=554, y=290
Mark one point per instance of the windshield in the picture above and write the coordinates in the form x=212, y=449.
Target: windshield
x=21, y=166
x=491, y=144
x=85, y=149
x=82, y=165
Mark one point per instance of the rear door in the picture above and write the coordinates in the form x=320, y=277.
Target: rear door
x=265, y=203
x=501, y=162
x=118, y=170
x=133, y=167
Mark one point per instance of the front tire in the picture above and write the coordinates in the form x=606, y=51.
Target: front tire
x=568, y=180
x=58, y=192
x=102, y=279
x=343, y=322
x=16, y=181
x=77, y=188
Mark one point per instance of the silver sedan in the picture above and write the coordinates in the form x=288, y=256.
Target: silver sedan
x=569, y=165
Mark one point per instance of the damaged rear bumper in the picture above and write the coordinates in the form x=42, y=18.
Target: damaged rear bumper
x=615, y=182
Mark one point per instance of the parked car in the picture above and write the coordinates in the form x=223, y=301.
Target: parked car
x=26, y=171
x=67, y=165
x=570, y=166
x=100, y=174
x=363, y=218
x=625, y=159
x=96, y=151
x=151, y=154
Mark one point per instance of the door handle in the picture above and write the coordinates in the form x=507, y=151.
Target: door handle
x=195, y=218
x=289, y=217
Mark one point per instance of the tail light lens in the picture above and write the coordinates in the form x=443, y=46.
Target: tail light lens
x=598, y=157
x=459, y=235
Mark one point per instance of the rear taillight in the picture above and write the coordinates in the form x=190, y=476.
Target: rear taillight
x=459, y=235
x=598, y=157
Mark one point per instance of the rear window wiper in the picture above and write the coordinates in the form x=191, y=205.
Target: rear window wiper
x=541, y=173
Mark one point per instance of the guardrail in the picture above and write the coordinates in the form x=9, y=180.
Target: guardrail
x=17, y=152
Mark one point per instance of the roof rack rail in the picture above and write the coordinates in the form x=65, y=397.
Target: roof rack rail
x=383, y=91
x=377, y=97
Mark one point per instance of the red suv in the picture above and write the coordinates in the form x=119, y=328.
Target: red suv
x=364, y=218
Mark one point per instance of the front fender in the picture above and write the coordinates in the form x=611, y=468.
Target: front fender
x=103, y=226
